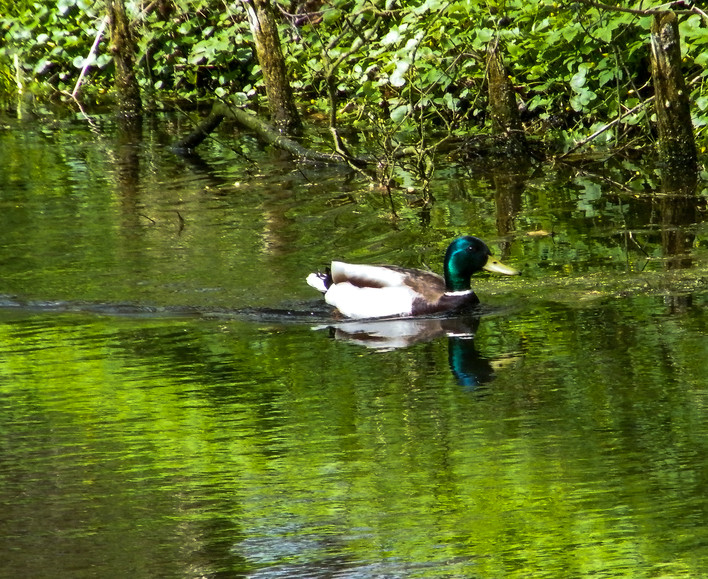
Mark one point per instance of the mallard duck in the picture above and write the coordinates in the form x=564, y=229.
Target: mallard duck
x=376, y=291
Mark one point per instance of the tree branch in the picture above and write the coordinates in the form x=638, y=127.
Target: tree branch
x=609, y=125
x=87, y=60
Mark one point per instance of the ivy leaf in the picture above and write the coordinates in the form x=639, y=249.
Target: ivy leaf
x=451, y=102
x=64, y=6
x=605, y=76
x=577, y=82
x=331, y=16
x=604, y=33
x=80, y=61
x=399, y=113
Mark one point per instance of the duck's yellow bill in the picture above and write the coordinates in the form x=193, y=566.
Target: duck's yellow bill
x=499, y=267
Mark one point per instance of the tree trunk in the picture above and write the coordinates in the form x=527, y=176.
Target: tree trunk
x=502, y=102
x=123, y=50
x=261, y=19
x=677, y=146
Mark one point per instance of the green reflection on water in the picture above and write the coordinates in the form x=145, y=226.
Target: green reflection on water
x=232, y=446
x=155, y=445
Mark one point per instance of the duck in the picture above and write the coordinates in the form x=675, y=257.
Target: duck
x=361, y=291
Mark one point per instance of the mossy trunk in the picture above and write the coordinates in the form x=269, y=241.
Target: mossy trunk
x=678, y=215
x=677, y=146
x=503, y=107
x=123, y=49
x=264, y=27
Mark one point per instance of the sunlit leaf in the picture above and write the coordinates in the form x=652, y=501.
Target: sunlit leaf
x=399, y=113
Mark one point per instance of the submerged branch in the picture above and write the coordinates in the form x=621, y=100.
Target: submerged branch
x=200, y=133
x=265, y=132
x=268, y=134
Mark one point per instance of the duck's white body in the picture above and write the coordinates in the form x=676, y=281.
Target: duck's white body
x=377, y=291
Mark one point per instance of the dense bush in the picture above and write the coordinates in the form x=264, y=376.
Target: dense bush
x=410, y=67
x=575, y=67
x=48, y=42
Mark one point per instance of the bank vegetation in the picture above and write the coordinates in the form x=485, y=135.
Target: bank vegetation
x=390, y=83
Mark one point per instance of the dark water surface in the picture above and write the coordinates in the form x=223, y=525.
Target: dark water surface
x=174, y=401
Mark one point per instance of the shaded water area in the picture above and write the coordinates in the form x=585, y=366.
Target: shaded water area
x=176, y=402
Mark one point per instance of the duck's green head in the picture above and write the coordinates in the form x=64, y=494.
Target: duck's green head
x=468, y=255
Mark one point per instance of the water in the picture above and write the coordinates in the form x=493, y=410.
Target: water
x=162, y=417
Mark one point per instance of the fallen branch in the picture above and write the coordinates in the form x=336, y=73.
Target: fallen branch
x=265, y=132
x=272, y=136
x=199, y=134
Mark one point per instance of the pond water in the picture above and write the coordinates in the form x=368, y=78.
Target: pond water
x=175, y=401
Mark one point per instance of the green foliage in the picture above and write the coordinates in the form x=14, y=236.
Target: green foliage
x=422, y=68
x=403, y=69
x=49, y=41
x=694, y=35
x=194, y=49
x=411, y=65
x=197, y=49
x=574, y=66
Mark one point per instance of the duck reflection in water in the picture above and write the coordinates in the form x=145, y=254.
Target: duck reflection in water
x=469, y=368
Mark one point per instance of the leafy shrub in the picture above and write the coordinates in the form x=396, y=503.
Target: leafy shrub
x=403, y=67
x=50, y=41
x=197, y=49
